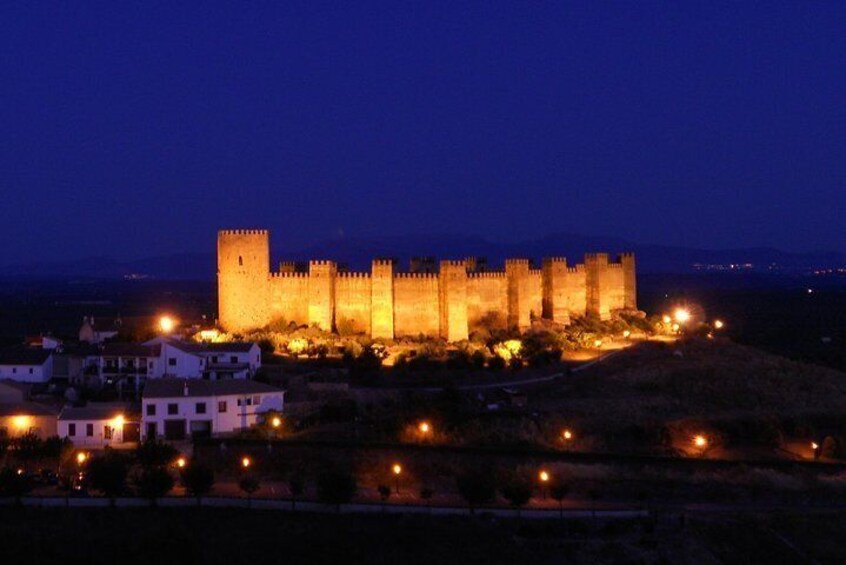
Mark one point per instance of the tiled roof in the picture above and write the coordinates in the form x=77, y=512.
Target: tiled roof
x=24, y=356
x=26, y=409
x=226, y=347
x=99, y=411
x=172, y=388
x=131, y=350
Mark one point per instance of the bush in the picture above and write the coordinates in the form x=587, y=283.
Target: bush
x=153, y=452
x=153, y=482
x=108, y=474
x=517, y=490
x=476, y=487
x=13, y=484
x=197, y=479
x=336, y=486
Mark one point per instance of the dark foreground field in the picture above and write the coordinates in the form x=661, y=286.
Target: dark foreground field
x=225, y=536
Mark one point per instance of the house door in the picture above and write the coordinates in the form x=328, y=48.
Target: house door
x=131, y=432
x=174, y=430
x=151, y=430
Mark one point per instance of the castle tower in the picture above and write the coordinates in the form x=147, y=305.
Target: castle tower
x=629, y=281
x=452, y=294
x=382, y=299
x=555, y=290
x=597, y=283
x=321, y=294
x=243, y=271
x=519, y=307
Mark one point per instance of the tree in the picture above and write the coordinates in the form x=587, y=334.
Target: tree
x=153, y=452
x=198, y=480
x=517, y=491
x=559, y=491
x=296, y=486
x=108, y=474
x=426, y=493
x=476, y=487
x=336, y=486
x=384, y=494
x=249, y=484
x=14, y=484
x=153, y=483
x=28, y=448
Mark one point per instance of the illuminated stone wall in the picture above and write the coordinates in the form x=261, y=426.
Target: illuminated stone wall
x=386, y=304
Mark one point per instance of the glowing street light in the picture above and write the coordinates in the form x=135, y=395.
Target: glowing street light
x=567, y=435
x=626, y=334
x=81, y=457
x=167, y=324
x=181, y=462
x=246, y=462
x=700, y=441
x=397, y=470
x=597, y=343
x=718, y=324
x=424, y=427
x=681, y=315
x=666, y=319
x=543, y=476
x=815, y=446
x=276, y=421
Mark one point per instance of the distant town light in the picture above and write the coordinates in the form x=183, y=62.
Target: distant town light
x=810, y=291
x=167, y=324
x=543, y=476
x=397, y=469
x=718, y=324
x=246, y=462
x=20, y=471
x=700, y=441
x=681, y=315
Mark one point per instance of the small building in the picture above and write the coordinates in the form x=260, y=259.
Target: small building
x=21, y=417
x=178, y=409
x=100, y=424
x=26, y=365
x=212, y=361
x=91, y=332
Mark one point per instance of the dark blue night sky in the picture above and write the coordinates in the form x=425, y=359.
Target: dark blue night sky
x=136, y=131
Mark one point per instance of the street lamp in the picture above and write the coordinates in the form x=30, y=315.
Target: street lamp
x=544, y=478
x=681, y=315
x=181, y=462
x=397, y=470
x=424, y=427
x=276, y=421
x=81, y=457
x=246, y=462
x=700, y=441
x=718, y=324
x=167, y=324
x=567, y=435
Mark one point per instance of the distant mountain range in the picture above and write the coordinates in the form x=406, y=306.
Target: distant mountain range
x=357, y=252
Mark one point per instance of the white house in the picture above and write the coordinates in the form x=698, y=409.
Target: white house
x=177, y=409
x=99, y=424
x=27, y=365
x=90, y=332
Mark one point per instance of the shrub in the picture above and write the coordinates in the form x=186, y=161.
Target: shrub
x=197, y=479
x=153, y=452
x=153, y=482
x=476, y=487
x=108, y=474
x=336, y=486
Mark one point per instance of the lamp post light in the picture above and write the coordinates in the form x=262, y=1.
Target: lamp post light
x=567, y=435
x=81, y=458
x=543, y=476
x=166, y=324
x=181, y=462
x=397, y=470
x=246, y=462
x=276, y=421
x=700, y=441
x=719, y=324
x=424, y=427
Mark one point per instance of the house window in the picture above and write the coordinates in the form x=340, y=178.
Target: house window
x=172, y=409
x=151, y=430
x=14, y=369
x=240, y=261
x=256, y=400
x=151, y=410
x=107, y=432
x=171, y=361
x=30, y=370
x=221, y=406
x=214, y=358
x=200, y=408
x=71, y=430
x=89, y=430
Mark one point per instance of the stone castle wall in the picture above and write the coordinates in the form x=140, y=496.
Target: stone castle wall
x=386, y=303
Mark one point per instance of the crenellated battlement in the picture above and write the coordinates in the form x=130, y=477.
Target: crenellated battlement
x=487, y=275
x=353, y=275
x=404, y=275
x=243, y=232
x=435, y=298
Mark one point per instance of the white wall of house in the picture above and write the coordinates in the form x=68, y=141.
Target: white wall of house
x=28, y=373
x=178, y=363
x=227, y=413
x=90, y=433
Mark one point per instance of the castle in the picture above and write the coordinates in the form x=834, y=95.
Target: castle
x=448, y=301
